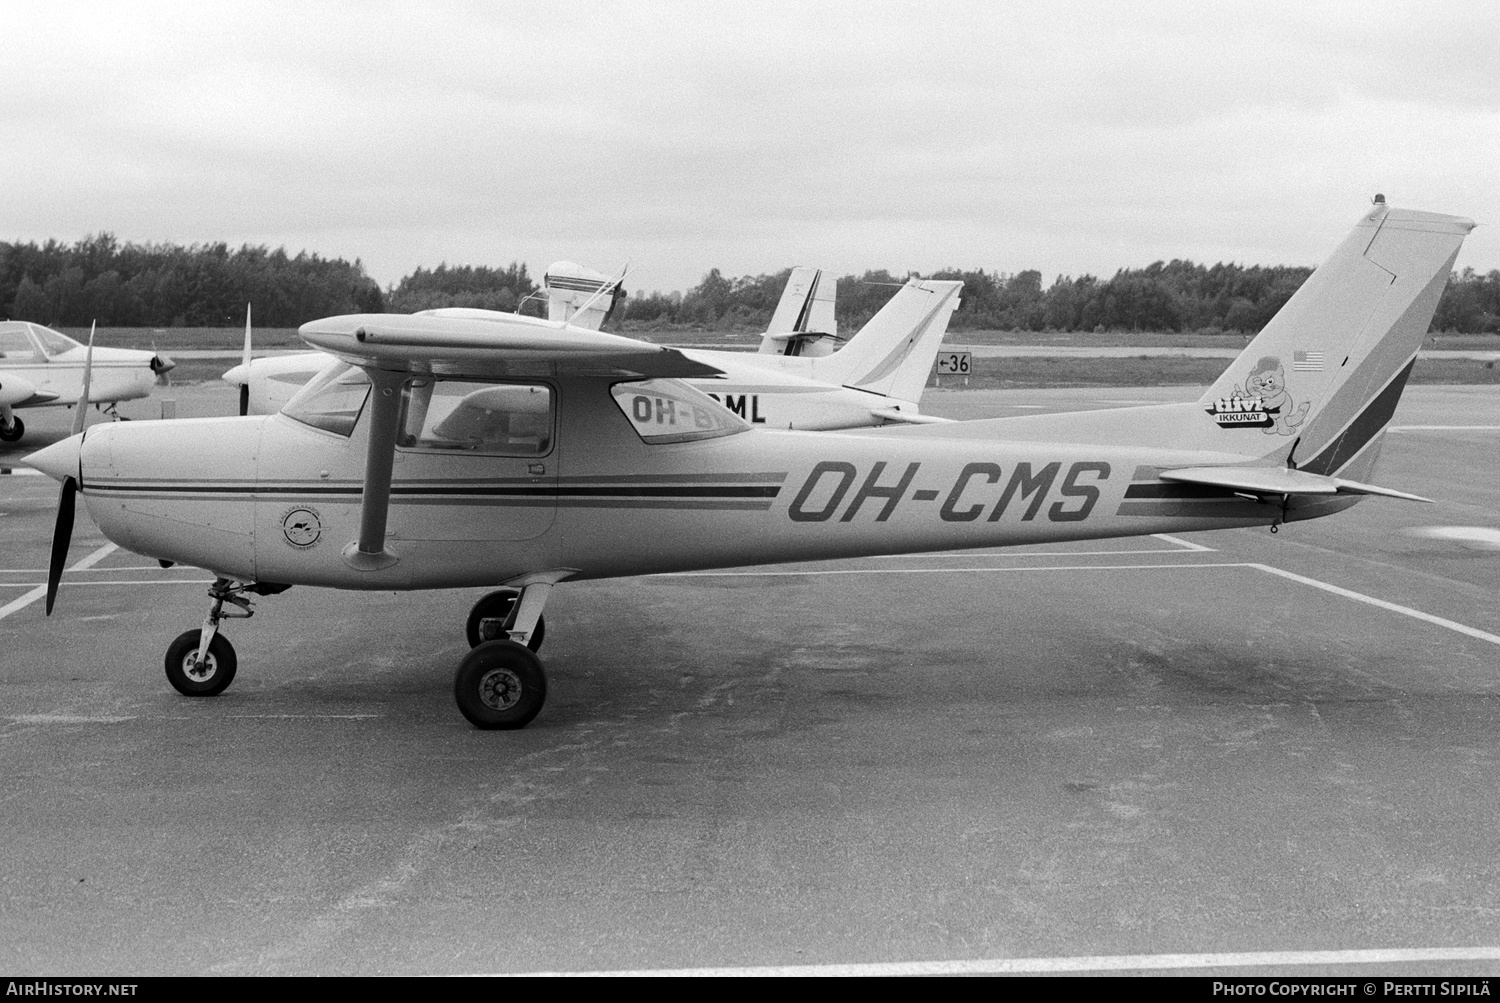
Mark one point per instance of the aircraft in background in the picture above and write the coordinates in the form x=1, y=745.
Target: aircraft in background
x=804, y=321
x=444, y=452
x=876, y=378
x=41, y=367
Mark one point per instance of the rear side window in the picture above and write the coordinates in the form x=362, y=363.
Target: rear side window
x=672, y=411
x=494, y=419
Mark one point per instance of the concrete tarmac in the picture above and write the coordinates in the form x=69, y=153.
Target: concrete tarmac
x=1237, y=747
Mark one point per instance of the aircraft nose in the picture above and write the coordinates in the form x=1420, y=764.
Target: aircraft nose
x=59, y=460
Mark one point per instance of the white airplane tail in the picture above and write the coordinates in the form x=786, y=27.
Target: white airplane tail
x=579, y=296
x=1326, y=373
x=893, y=353
x=804, y=322
x=1304, y=407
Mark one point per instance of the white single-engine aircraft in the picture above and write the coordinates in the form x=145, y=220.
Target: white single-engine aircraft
x=796, y=380
x=40, y=367
x=450, y=453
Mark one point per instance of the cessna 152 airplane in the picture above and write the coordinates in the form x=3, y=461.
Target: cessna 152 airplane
x=445, y=453
x=796, y=380
x=40, y=366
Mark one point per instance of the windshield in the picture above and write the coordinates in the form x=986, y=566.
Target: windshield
x=671, y=411
x=53, y=343
x=333, y=400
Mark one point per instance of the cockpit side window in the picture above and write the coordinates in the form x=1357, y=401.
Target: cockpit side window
x=663, y=410
x=15, y=345
x=494, y=419
x=333, y=400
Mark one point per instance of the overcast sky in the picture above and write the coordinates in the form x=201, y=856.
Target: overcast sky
x=1069, y=137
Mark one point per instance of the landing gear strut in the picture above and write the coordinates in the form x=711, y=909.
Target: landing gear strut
x=500, y=683
x=491, y=616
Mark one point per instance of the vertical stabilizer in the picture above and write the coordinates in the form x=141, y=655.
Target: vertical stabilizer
x=1327, y=371
x=579, y=296
x=804, y=322
x=892, y=354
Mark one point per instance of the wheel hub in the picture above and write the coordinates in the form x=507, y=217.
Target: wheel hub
x=500, y=689
x=200, y=673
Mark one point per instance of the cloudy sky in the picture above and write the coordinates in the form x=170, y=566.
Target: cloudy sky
x=1068, y=137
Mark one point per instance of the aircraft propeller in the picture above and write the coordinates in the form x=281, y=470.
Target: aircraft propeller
x=62, y=532
x=245, y=361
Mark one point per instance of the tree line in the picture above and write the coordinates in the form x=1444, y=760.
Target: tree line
x=208, y=285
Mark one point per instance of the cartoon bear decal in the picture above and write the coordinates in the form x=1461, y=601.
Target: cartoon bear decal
x=1264, y=402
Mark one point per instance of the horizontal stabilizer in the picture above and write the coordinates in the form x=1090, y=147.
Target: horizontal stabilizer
x=909, y=417
x=1279, y=481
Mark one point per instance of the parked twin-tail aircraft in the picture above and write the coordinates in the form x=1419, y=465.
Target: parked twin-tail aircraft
x=41, y=367
x=876, y=378
x=445, y=453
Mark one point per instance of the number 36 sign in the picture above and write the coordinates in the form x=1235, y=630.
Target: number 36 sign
x=955, y=363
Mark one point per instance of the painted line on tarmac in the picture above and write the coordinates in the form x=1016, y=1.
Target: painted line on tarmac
x=1381, y=603
x=122, y=581
x=949, y=555
x=1184, y=544
x=41, y=590
x=115, y=567
x=947, y=571
x=1087, y=963
x=20, y=472
x=1416, y=614
x=1443, y=428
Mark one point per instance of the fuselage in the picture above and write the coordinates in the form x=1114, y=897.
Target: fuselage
x=269, y=498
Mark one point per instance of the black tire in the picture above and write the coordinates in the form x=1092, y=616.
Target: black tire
x=500, y=685
x=16, y=430
x=218, y=674
x=497, y=606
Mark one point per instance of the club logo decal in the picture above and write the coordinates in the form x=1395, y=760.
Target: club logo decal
x=302, y=527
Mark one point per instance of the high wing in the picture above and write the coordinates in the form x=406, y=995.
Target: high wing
x=495, y=345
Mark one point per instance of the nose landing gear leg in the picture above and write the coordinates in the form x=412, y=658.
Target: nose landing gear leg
x=201, y=663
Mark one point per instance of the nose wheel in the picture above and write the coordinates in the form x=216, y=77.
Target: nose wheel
x=201, y=663
x=13, y=431
x=206, y=678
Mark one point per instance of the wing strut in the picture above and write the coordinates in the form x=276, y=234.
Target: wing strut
x=369, y=552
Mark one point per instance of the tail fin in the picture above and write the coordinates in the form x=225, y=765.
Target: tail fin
x=1324, y=376
x=804, y=322
x=892, y=354
x=580, y=296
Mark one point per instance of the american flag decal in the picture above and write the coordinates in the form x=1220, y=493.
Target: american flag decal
x=1307, y=362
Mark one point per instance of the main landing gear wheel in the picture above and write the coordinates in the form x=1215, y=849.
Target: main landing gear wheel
x=209, y=679
x=14, y=433
x=496, y=606
x=500, y=685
